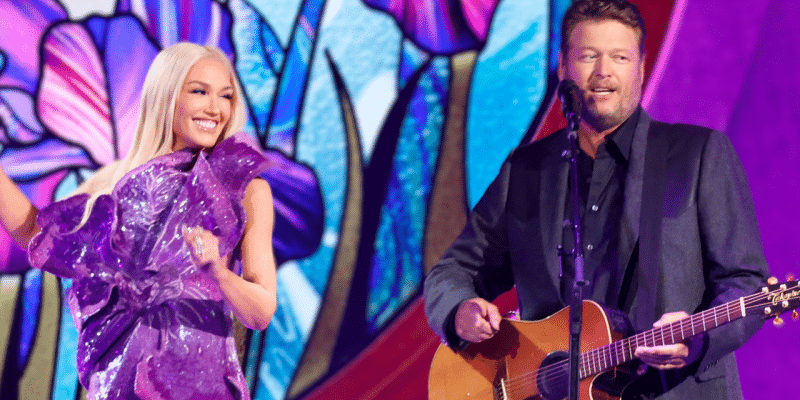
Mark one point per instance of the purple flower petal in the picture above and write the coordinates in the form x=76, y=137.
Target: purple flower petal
x=23, y=24
x=43, y=158
x=297, y=200
x=127, y=54
x=11, y=261
x=73, y=101
x=173, y=21
x=478, y=15
x=441, y=27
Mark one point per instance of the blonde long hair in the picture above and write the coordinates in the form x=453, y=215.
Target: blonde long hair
x=154, y=133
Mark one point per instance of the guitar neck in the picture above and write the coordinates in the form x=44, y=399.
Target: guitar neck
x=609, y=356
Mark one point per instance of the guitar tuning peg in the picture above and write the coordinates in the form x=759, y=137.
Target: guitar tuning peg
x=790, y=277
x=772, y=280
x=778, y=322
x=794, y=315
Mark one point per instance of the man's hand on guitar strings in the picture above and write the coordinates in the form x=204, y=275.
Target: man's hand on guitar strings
x=672, y=356
x=477, y=320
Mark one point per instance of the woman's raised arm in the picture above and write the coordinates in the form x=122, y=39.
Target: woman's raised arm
x=17, y=213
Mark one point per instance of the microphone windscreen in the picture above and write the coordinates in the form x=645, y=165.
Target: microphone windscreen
x=570, y=96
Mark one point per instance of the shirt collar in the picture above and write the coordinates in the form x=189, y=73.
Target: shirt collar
x=622, y=137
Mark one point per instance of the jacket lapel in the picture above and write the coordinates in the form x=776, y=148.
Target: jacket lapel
x=552, y=198
x=632, y=203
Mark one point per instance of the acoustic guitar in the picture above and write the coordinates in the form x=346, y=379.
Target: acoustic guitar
x=528, y=360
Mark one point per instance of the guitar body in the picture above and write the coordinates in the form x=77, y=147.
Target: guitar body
x=528, y=360
x=512, y=364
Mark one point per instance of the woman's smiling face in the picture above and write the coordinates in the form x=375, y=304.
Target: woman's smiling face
x=203, y=107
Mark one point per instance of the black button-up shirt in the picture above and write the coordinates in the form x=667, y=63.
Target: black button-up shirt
x=601, y=187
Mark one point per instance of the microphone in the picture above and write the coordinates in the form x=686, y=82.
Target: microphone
x=570, y=96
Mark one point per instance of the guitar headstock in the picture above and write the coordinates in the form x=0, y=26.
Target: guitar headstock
x=775, y=299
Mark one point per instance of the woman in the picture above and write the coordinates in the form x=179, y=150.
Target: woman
x=154, y=242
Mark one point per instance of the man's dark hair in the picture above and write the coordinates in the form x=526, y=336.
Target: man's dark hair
x=617, y=10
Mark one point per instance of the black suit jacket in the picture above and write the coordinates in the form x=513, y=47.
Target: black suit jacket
x=708, y=245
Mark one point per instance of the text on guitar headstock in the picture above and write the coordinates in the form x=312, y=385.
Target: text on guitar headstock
x=775, y=299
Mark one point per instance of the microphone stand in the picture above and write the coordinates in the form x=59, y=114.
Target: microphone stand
x=576, y=300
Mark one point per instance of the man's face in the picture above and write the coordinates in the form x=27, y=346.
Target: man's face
x=604, y=60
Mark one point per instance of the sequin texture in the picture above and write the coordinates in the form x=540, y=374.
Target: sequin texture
x=151, y=324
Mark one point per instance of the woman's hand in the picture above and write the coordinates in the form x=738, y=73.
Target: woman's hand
x=204, y=247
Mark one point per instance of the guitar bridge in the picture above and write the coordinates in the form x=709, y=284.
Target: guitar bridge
x=500, y=380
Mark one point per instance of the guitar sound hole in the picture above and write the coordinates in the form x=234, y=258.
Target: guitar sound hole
x=553, y=377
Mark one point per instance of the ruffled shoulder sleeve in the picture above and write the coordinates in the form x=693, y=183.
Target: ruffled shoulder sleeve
x=236, y=162
x=225, y=174
x=64, y=247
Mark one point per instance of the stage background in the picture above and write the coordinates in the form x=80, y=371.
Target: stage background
x=386, y=120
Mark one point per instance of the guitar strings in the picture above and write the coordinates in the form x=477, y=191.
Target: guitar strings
x=557, y=372
x=558, y=378
x=600, y=358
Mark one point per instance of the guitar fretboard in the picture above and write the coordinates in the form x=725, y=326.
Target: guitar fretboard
x=603, y=358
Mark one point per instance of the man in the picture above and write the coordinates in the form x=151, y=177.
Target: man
x=669, y=227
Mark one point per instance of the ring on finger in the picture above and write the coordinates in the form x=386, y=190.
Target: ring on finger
x=198, y=245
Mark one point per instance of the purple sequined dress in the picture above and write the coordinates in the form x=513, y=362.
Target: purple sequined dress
x=151, y=324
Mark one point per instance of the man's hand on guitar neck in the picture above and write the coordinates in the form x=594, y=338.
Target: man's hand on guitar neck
x=672, y=356
x=477, y=320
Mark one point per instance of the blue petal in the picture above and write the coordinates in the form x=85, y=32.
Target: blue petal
x=286, y=111
x=258, y=60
